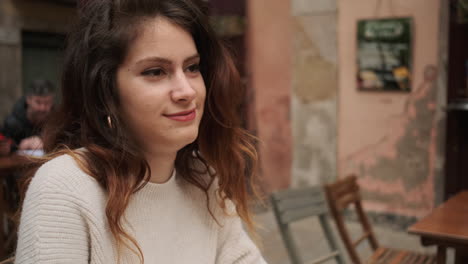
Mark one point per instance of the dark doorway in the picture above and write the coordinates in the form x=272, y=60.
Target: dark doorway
x=457, y=115
x=42, y=57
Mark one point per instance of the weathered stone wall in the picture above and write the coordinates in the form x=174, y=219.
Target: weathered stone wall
x=394, y=141
x=16, y=16
x=314, y=95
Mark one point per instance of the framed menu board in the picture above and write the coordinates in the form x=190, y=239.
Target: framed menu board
x=462, y=11
x=384, y=52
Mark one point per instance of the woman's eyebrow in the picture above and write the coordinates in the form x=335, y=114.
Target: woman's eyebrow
x=155, y=59
x=193, y=57
x=162, y=60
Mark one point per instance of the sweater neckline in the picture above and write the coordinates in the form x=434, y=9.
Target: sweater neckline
x=169, y=182
x=162, y=191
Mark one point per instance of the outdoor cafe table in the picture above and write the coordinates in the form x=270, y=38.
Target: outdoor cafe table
x=446, y=226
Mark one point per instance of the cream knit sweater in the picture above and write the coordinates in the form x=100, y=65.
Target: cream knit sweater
x=64, y=221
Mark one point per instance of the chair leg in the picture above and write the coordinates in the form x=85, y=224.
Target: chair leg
x=441, y=255
x=330, y=238
x=3, y=237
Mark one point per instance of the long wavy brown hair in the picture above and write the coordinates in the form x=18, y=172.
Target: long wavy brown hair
x=96, y=46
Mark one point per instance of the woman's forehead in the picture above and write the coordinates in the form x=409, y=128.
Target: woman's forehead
x=159, y=37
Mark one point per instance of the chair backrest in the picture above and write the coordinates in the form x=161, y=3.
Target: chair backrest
x=297, y=204
x=341, y=195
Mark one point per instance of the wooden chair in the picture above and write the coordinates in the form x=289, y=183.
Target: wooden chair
x=293, y=205
x=341, y=195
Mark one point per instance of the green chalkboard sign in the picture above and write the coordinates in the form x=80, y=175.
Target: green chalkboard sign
x=384, y=54
x=462, y=11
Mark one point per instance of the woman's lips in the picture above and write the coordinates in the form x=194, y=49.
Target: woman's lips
x=183, y=116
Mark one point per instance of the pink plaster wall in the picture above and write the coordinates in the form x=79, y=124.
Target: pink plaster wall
x=269, y=66
x=389, y=139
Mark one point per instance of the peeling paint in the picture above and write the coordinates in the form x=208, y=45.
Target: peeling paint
x=314, y=77
x=314, y=127
x=398, y=170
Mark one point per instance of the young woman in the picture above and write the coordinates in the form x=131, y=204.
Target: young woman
x=147, y=161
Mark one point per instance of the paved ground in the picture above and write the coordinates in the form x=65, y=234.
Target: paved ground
x=312, y=244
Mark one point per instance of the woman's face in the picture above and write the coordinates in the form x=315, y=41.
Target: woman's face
x=161, y=90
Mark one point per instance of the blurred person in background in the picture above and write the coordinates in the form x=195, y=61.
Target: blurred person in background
x=23, y=125
x=146, y=159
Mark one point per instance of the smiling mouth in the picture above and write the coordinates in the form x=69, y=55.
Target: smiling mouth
x=183, y=116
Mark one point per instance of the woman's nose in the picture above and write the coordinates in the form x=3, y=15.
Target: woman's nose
x=183, y=90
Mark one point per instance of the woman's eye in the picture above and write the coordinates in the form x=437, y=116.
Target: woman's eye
x=153, y=72
x=194, y=68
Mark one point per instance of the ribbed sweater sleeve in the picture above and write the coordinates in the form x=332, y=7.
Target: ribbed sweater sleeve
x=234, y=245
x=52, y=229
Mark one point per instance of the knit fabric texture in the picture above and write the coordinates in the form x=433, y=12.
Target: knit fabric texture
x=64, y=221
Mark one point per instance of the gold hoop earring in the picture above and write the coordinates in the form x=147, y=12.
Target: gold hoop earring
x=109, y=122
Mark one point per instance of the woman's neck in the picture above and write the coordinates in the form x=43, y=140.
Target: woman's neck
x=162, y=166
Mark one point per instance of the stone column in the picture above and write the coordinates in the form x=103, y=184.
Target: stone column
x=314, y=96
x=10, y=60
x=269, y=56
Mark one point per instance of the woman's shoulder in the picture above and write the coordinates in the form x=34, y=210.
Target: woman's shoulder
x=63, y=173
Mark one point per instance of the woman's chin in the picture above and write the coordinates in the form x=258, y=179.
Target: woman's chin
x=186, y=139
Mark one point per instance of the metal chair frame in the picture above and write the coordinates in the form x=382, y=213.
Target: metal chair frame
x=296, y=204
